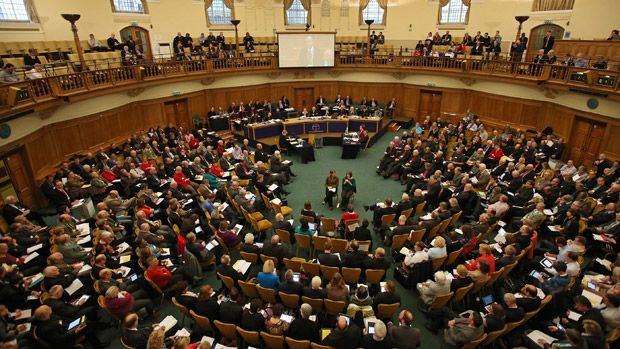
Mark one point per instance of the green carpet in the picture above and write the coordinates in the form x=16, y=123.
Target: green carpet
x=371, y=188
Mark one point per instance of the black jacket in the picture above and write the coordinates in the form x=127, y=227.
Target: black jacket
x=350, y=338
x=230, y=313
x=304, y=329
x=329, y=259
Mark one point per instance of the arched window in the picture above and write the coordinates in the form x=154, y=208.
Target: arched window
x=297, y=12
x=17, y=11
x=454, y=11
x=373, y=9
x=129, y=6
x=219, y=12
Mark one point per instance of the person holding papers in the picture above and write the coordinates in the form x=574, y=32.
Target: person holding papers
x=252, y=318
x=387, y=295
x=430, y=289
x=418, y=255
x=134, y=336
x=302, y=328
x=72, y=252
x=225, y=269
x=274, y=324
x=160, y=275
x=331, y=189
x=121, y=303
x=66, y=311
x=327, y=258
x=53, y=276
x=106, y=281
x=337, y=289
x=55, y=332
x=344, y=336
x=228, y=236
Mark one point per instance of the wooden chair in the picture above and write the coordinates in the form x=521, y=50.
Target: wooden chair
x=285, y=236
x=387, y=219
x=328, y=272
x=399, y=240
x=202, y=321
x=374, y=276
x=492, y=336
x=248, y=289
x=183, y=309
x=264, y=258
x=125, y=345
x=416, y=235
x=303, y=242
x=440, y=301
x=267, y=294
x=227, y=281
x=612, y=336
x=318, y=346
x=364, y=245
x=290, y=301
x=315, y=303
x=295, y=344
x=340, y=245
x=460, y=293
x=334, y=307
x=419, y=208
x=433, y=232
x=285, y=210
x=272, y=341
x=438, y=262
x=293, y=264
x=351, y=276
x=407, y=213
x=313, y=269
x=250, y=338
x=101, y=303
x=155, y=288
x=386, y=311
x=475, y=343
x=494, y=277
x=328, y=225
x=455, y=219
x=228, y=331
x=452, y=257
x=249, y=257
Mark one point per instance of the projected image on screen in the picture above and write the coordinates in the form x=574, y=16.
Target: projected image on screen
x=306, y=50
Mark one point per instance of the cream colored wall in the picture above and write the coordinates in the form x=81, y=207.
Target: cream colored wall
x=407, y=19
x=25, y=125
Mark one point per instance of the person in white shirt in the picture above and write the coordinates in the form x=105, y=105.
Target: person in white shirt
x=569, y=169
x=501, y=206
x=611, y=313
x=35, y=72
x=572, y=266
x=439, y=248
x=418, y=256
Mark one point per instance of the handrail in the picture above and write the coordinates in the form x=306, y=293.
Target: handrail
x=26, y=94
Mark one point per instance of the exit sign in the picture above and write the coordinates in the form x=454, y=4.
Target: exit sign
x=134, y=23
x=176, y=93
x=547, y=21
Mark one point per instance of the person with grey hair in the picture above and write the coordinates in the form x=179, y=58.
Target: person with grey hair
x=303, y=328
x=289, y=285
x=512, y=311
x=248, y=245
x=431, y=289
x=315, y=290
x=378, y=339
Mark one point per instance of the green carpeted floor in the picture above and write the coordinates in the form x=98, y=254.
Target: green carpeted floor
x=371, y=188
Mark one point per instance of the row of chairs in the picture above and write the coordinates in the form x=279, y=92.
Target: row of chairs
x=12, y=48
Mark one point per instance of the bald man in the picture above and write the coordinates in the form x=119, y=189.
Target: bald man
x=344, y=336
x=54, y=331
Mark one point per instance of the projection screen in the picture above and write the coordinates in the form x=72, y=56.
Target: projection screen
x=306, y=49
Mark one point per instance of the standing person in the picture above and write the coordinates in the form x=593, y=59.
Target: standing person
x=331, y=188
x=548, y=42
x=349, y=188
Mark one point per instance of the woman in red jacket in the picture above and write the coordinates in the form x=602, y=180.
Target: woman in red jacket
x=216, y=169
x=121, y=303
x=160, y=275
x=142, y=206
x=184, y=183
x=496, y=153
x=485, y=254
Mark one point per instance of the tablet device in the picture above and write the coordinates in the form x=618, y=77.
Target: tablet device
x=487, y=300
x=134, y=277
x=371, y=327
x=546, y=263
x=75, y=323
x=296, y=277
x=535, y=274
x=591, y=285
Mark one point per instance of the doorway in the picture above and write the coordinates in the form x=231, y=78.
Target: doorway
x=176, y=113
x=140, y=36
x=585, y=140
x=15, y=177
x=430, y=104
x=304, y=98
x=537, y=34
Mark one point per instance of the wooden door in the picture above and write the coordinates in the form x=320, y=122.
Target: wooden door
x=585, y=141
x=176, y=113
x=537, y=34
x=430, y=104
x=304, y=98
x=15, y=178
x=140, y=36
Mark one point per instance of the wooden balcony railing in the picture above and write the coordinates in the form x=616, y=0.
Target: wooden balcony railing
x=26, y=94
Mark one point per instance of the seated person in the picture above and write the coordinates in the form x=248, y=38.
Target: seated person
x=268, y=277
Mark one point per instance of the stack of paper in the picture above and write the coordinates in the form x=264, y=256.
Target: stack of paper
x=168, y=322
x=242, y=266
x=75, y=285
x=34, y=248
x=536, y=335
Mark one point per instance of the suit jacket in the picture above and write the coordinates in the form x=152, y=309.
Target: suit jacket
x=548, y=43
x=315, y=294
x=348, y=339
x=284, y=225
x=58, y=198
x=377, y=263
x=138, y=338
x=65, y=311
x=230, y=313
x=354, y=259
x=9, y=212
x=329, y=259
x=229, y=271
x=54, y=331
x=290, y=287
x=304, y=329
x=208, y=308
x=405, y=337
x=279, y=251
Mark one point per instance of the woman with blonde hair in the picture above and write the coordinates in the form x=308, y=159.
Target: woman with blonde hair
x=156, y=339
x=268, y=277
x=337, y=290
x=431, y=289
x=438, y=249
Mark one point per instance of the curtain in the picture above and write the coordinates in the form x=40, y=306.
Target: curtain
x=231, y=6
x=552, y=5
x=207, y=5
x=287, y=5
x=383, y=4
x=307, y=4
x=468, y=4
x=363, y=4
x=442, y=3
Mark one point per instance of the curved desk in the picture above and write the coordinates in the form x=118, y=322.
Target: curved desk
x=305, y=126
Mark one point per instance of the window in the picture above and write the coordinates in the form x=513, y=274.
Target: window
x=373, y=11
x=325, y=10
x=453, y=12
x=14, y=10
x=344, y=8
x=129, y=6
x=296, y=14
x=219, y=13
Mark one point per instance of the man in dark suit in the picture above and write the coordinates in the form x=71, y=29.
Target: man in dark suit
x=53, y=330
x=314, y=290
x=230, y=311
x=401, y=229
x=344, y=336
x=65, y=311
x=276, y=249
x=303, y=328
x=378, y=212
x=548, y=42
x=355, y=258
x=207, y=305
x=226, y=269
x=284, y=225
x=13, y=208
x=132, y=335
x=404, y=334
x=386, y=296
x=59, y=197
x=320, y=101
x=289, y=285
x=530, y=301
x=378, y=261
x=328, y=258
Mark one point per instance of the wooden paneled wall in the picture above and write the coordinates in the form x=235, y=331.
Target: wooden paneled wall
x=47, y=147
x=589, y=48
